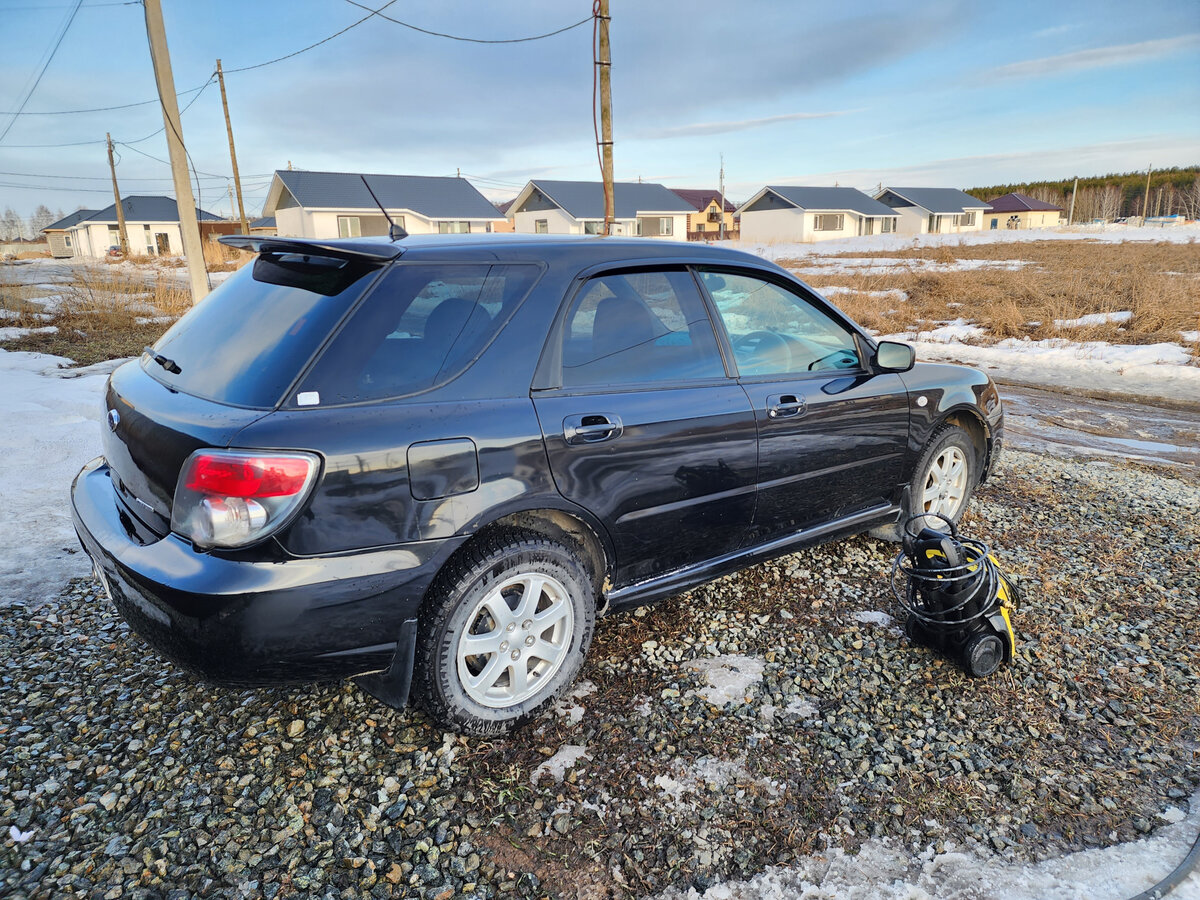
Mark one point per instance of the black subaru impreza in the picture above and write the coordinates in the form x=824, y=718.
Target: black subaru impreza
x=431, y=463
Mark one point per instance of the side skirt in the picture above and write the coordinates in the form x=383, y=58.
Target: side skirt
x=680, y=580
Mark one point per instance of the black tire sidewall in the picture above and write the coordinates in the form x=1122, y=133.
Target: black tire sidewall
x=438, y=686
x=945, y=436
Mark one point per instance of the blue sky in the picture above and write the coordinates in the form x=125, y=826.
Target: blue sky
x=936, y=93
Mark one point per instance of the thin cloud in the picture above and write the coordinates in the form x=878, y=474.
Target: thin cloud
x=1096, y=58
x=740, y=124
x=1054, y=30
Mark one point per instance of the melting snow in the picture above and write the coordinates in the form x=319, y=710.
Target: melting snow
x=557, y=765
x=873, y=617
x=729, y=678
x=1094, y=319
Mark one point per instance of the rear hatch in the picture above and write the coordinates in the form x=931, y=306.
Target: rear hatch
x=224, y=365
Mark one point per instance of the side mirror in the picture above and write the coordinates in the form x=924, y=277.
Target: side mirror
x=892, y=356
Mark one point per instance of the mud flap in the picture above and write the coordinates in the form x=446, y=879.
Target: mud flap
x=391, y=686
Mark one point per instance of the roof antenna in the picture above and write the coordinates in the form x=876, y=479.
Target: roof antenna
x=395, y=232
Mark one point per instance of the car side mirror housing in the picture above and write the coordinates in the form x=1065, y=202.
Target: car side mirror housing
x=892, y=356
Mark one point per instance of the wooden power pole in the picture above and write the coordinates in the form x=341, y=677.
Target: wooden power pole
x=1146, y=198
x=193, y=248
x=237, y=179
x=1074, y=191
x=606, y=138
x=123, y=236
x=721, y=191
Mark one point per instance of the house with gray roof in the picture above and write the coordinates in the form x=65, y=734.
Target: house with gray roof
x=923, y=210
x=807, y=214
x=58, y=233
x=151, y=224
x=577, y=207
x=339, y=204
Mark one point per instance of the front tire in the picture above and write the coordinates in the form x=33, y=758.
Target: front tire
x=503, y=632
x=944, y=479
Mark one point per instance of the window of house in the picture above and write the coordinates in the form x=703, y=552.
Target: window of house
x=828, y=222
x=935, y=224
x=454, y=227
x=967, y=219
x=593, y=228
x=775, y=331
x=349, y=226
x=639, y=327
x=541, y=226
x=114, y=236
x=714, y=215
x=887, y=225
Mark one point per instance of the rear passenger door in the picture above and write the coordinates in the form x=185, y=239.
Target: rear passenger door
x=643, y=425
x=832, y=433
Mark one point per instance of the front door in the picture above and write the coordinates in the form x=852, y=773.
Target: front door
x=643, y=426
x=832, y=434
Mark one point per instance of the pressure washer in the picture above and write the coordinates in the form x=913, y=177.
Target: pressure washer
x=957, y=599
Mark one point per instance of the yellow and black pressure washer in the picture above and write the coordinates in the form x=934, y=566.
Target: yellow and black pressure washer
x=957, y=599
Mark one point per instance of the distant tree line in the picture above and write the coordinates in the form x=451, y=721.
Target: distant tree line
x=13, y=227
x=1174, y=191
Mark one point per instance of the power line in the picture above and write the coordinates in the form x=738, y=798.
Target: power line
x=456, y=37
x=38, y=80
x=105, y=177
x=72, y=112
x=271, y=62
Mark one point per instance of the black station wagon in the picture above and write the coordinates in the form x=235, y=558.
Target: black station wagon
x=431, y=464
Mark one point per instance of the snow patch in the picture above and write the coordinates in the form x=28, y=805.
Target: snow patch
x=557, y=765
x=804, y=707
x=729, y=677
x=873, y=617
x=1094, y=319
x=12, y=332
x=951, y=332
x=883, y=870
x=53, y=428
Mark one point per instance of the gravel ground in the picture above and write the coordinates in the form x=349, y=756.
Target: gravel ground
x=747, y=723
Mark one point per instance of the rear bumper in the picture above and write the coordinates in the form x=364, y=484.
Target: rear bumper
x=240, y=621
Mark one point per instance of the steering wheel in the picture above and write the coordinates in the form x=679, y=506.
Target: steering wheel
x=763, y=351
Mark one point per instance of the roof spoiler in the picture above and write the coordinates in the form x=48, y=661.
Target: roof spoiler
x=375, y=252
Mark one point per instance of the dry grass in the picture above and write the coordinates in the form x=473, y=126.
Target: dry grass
x=102, y=314
x=1158, y=283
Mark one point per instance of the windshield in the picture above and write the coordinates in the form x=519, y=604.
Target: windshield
x=248, y=340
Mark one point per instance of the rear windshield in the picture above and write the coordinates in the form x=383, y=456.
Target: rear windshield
x=421, y=326
x=249, y=339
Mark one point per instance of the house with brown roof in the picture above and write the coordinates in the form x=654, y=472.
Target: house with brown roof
x=1017, y=211
x=705, y=223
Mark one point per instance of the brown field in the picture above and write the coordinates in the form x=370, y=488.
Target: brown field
x=1159, y=283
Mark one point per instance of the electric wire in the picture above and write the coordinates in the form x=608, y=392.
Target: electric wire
x=457, y=37
x=38, y=80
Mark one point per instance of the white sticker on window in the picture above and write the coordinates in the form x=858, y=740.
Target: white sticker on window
x=308, y=398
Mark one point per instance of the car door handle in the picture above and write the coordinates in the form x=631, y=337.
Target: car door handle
x=591, y=429
x=786, y=406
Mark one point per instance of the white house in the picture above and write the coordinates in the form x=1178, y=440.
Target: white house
x=151, y=224
x=577, y=207
x=338, y=204
x=58, y=234
x=933, y=210
x=790, y=213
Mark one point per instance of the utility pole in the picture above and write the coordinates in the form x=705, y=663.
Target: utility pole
x=1074, y=191
x=237, y=179
x=606, y=138
x=123, y=235
x=721, y=189
x=193, y=249
x=1146, y=198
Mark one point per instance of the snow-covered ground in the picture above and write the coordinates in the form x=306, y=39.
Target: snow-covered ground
x=52, y=421
x=883, y=870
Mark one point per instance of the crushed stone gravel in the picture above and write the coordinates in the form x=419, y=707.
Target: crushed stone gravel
x=124, y=777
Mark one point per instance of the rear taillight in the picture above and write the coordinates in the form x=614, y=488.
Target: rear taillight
x=231, y=498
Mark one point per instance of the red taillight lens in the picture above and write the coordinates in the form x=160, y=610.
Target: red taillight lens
x=233, y=498
x=248, y=476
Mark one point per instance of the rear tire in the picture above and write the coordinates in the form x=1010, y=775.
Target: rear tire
x=503, y=632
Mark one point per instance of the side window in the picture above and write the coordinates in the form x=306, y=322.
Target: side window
x=421, y=326
x=639, y=327
x=775, y=331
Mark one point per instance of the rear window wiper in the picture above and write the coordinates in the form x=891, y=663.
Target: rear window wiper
x=169, y=364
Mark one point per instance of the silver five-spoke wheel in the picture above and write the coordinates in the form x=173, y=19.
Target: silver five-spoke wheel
x=946, y=483
x=516, y=639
